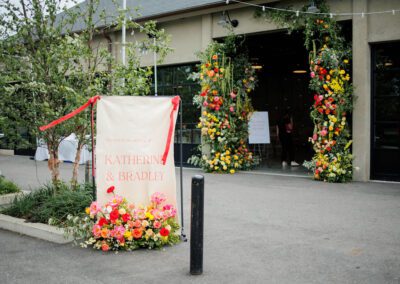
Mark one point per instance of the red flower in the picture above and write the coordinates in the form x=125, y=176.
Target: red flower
x=111, y=189
x=102, y=222
x=126, y=217
x=204, y=93
x=114, y=215
x=164, y=232
x=216, y=70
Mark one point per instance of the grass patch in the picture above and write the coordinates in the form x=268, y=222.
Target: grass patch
x=7, y=186
x=50, y=202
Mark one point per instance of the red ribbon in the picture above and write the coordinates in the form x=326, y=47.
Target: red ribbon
x=175, y=102
x=91, y=101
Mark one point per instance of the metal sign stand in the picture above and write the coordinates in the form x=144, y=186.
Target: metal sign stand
x=183, y=235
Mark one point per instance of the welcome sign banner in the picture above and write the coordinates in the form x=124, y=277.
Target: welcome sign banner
x=134, y=147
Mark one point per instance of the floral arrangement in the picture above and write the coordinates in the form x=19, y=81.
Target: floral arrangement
x=332, y=91
x=119, y=225
x=226, y=111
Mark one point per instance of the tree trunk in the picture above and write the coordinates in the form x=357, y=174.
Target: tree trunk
x=54, y=163
x=74, y=180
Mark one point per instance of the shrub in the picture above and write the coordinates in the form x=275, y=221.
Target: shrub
x=7, y=186
x=51, y=202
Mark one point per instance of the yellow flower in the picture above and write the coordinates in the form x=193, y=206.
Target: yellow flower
x=204, y=113
x=87, y=210
x=345, y=61
x=216, y=168
x=127, y=234
x=235, y=157
x=232, y=171
x=225, y=168
x=227, y=152
x=149, y=216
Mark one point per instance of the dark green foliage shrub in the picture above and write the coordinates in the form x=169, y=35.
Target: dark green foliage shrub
x=51, y=202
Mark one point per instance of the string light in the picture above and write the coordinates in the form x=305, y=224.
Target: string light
x=363, y=14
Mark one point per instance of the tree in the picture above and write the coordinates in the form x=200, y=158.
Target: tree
x=48, y=70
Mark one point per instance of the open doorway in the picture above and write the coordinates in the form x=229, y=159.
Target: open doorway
x=281, y=62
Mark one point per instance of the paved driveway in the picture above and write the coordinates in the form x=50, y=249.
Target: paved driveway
x=258, y=229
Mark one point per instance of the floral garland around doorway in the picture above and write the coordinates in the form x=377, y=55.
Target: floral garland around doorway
x=226, y=110
x=331, y=88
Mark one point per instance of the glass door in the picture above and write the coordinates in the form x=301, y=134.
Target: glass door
x=385, y=132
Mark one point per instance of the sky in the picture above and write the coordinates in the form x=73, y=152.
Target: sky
x=68, y=3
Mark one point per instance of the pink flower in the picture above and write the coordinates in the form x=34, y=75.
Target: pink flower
x=312, y=74
x=217, y=108
x=323, y=132
x=157, y=224
x=156, y=213
x=137, y=224
x=205, y=103
x=94, y=208
x=216, y=99
x=167, y=207
x=158, y=198
x=314, y=137
x=118, y=232
x=232, y=109
x=233, y=95
x=96, y=230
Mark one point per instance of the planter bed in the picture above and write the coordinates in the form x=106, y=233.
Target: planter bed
x=36, y=230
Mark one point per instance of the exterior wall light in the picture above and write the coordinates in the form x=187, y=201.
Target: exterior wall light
x=226, y=19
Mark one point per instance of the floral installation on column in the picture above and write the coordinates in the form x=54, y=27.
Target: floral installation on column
x=332, y=161
x=330, y=87
x=226, y=109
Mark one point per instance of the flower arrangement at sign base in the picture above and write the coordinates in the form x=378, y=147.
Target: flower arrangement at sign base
x=226, y=110
x=119, y=225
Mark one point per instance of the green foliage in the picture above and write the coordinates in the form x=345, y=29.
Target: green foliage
x=7, y=186
x=47, y=70
x=51, y=203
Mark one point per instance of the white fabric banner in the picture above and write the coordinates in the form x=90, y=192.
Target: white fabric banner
x=131, y=140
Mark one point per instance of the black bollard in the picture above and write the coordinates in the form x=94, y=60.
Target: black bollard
x=197, y=226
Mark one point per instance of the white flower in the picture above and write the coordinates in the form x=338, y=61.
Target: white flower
x=109, y=209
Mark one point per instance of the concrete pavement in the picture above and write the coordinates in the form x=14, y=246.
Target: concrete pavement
x=258, y=228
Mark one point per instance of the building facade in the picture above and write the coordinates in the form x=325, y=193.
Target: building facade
x=375, y=40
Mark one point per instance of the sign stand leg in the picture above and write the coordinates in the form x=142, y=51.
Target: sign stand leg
x=93, y=156
x=183, y=235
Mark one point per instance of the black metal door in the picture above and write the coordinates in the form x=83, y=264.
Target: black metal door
x=385, y=131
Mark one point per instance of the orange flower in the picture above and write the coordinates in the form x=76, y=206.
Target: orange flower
x=137, y=233
x=104, y=246
x=215, y=57
x=104, y=233
x=211, y=73
x=215, y=92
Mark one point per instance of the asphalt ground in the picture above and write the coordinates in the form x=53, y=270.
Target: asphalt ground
x=259, y=228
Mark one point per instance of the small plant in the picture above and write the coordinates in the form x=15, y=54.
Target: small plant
x=7, y=186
